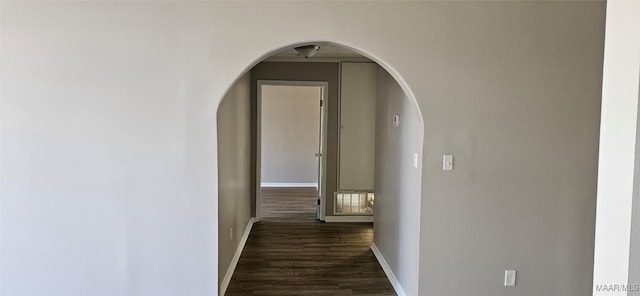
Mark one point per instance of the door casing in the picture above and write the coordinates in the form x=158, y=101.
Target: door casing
x=322, y=176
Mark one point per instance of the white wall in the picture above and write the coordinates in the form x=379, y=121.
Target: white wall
x=290, y=134
x=109, y=162
x=615, y=251
x=234, y=171
x=397, y=214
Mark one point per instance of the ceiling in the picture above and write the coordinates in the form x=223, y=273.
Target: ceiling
x=327, y=52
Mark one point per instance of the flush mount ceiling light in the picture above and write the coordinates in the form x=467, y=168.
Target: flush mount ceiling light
x=307, y=51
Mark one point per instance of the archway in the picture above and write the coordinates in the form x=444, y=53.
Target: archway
x=396, y=153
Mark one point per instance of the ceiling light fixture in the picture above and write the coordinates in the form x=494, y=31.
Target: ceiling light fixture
x=307, y=51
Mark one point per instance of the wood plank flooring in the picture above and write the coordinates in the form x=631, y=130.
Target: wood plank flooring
x=288, y=204
x=290, y=253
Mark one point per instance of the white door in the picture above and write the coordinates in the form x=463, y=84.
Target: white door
x=320, y=156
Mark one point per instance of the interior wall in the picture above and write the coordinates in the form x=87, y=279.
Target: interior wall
x=397, y=181
x=290, y=134
x=108, y=179
x=234, y=171
x=357, y=126
x=305, y=72
x=109, y=139
x=519, y=108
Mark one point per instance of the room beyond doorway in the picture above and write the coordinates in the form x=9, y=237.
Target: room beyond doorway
x=290, y=139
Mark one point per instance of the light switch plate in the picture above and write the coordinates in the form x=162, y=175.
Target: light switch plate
x=447, y=162
x=509, y=278
x=415, y=160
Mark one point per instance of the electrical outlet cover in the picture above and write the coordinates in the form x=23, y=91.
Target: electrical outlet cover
x=447, y=162
x=509, y=278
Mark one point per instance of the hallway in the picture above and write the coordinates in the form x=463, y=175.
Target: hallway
x=290, y=253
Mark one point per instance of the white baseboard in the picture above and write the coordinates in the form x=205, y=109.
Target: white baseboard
x=285, y=185
x=234, y=261
x=387, y=270
x=353, y=219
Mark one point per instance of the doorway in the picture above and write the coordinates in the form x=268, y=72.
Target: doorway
x=291, y=145
x=397, y=183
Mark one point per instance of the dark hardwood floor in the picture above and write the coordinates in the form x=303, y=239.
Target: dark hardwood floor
x=290, y=253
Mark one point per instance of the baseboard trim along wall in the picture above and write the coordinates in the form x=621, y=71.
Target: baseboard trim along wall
x=234, y=261
x=387, y=270
x=285, y=185
x=354, y=219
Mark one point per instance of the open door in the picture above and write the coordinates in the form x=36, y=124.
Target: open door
x=320, y=155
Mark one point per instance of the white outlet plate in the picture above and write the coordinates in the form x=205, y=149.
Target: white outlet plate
x=509, y=278
x=447, y=162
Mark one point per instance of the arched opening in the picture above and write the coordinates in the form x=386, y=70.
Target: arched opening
x=369, y=134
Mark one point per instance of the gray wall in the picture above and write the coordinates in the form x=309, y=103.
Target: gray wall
x=234, y=209
x=357, y=126
x=305, y=72
x=397, y=181
x=290, y=128
x=518, y=107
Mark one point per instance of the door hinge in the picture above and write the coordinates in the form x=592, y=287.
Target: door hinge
x=321, y=103
x=318, y=201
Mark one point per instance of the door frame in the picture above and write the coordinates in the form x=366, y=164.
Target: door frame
x=324, y=85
